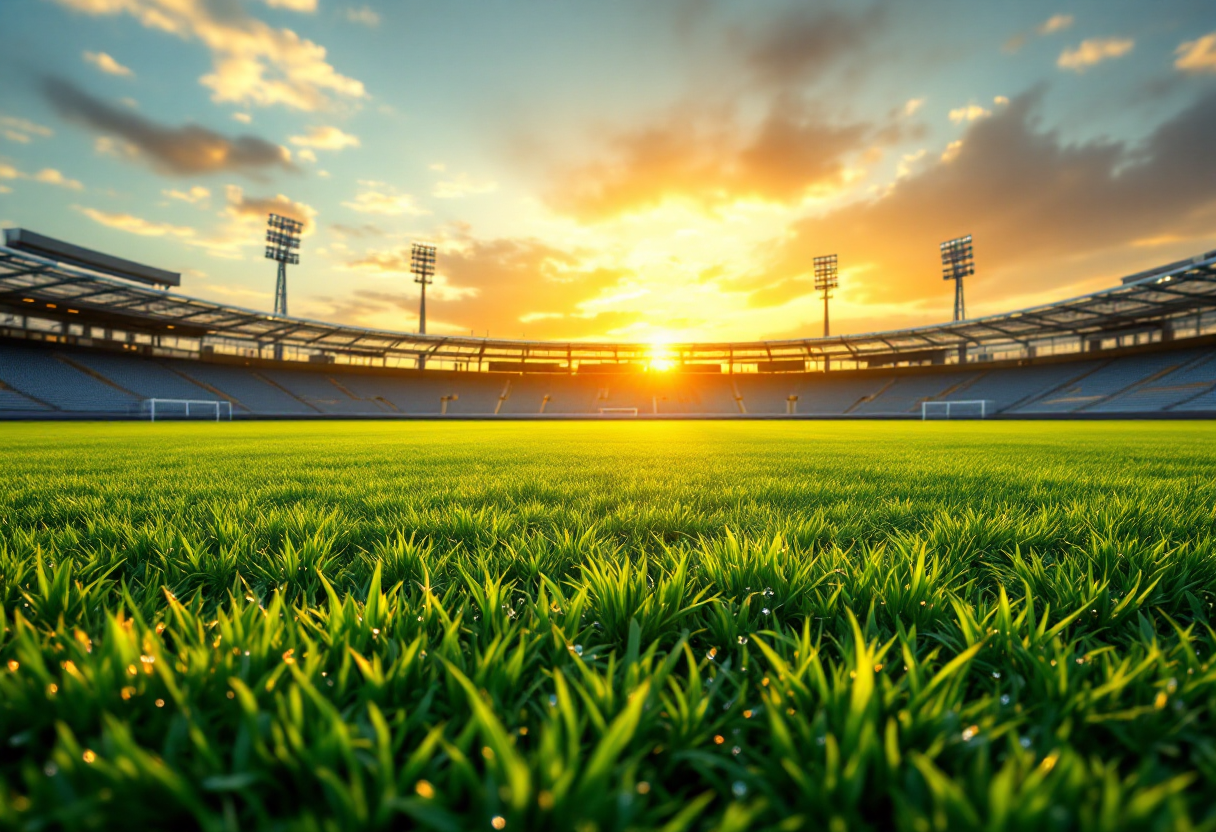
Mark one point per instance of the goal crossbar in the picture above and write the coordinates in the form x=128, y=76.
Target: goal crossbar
x=959, y=409
x=220, y=406
x=618, y=411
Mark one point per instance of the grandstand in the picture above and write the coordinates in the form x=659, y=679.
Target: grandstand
x=81, y=342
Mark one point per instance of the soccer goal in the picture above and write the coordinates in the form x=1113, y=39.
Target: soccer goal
x=187, y=409
x=971, y=409
x=618, y=411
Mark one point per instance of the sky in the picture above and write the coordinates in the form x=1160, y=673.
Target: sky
x=640, y=171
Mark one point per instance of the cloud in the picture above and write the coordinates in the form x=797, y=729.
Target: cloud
x=50, y=176
x=1197, y=55
x=803, y=44
x=509, y=286
x=1041, y=208
x=136, y=225
x=711, y=163
x=378, y=198
x=195, y=195
x=1050, y=26
x=766, y=138
x=243, y=118
x=1055, y=23
x=306, y=155
x=1094, y=51
x=325, y=138
x=307, y=6
x=23, y=130
x=252, y=62
x=189, y=149
x=460, y=186
x=912, y=105
x=243, y=207
x=363, y=15
x=106, y=64
x=47, y=176
x=972, y=112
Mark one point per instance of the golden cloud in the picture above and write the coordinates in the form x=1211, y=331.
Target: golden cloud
x=1094, y=51
x=325, y=138
x=1197, y=55
x=107, y=64
x=387, y=202
x=47, y=176
x=136, y=225
x=252, y=62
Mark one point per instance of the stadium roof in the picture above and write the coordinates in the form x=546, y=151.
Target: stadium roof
x=34, y=285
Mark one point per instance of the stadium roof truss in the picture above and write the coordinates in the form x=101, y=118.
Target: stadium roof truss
x=39, y=287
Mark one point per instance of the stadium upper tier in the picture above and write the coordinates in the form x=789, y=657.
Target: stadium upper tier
x=39, y=294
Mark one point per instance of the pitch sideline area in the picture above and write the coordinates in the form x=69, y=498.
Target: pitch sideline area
x=656, y=625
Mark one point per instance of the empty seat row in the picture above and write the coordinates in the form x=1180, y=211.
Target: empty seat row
x=37, y=378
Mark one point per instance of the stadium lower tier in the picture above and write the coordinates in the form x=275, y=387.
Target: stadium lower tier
x=39, y=380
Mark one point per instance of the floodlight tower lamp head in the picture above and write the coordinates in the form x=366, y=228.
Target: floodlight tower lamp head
x=827, y=273
x=283, y=239
x=422, y=262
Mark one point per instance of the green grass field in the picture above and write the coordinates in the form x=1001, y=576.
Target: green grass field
x=623, y=626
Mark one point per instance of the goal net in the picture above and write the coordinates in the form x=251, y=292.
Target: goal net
x=187, y=409
x=971, y=409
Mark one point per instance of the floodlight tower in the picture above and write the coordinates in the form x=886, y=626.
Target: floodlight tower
x=282, y=244
x=827, y=278
x=422, y=266
x=958, y=261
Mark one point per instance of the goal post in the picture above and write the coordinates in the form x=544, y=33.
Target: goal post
x=188, y=409
x=966, y=409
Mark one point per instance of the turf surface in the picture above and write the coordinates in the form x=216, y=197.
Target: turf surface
x=608, y=626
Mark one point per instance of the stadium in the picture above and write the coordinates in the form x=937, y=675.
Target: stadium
x=94, y=337
x=733, y=526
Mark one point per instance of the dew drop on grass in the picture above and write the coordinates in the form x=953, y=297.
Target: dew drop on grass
x=1024, y=742
x=739, y=788
x=1004, y=699
x=765, y=611
x=742, y=639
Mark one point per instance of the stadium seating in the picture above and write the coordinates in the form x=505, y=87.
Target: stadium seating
x=905, y=393
x=243, y=388
x=11, y=400
x=41, y=378
x=146, y=379
x=1189, y=381
x=41, y=374
x=1009, y=386
x=1091, y=389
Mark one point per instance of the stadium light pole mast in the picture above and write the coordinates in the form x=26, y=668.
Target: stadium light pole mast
x=958, y=261
x=283, y=245
x=422, y=266
x=826, y=279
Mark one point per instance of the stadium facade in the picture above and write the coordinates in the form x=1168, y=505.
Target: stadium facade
x=86, y=339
